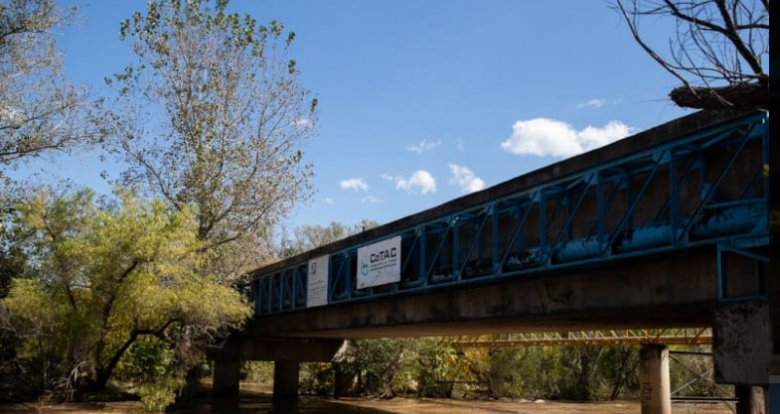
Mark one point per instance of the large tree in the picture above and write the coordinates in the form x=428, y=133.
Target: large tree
x=39, y=109
x=108, y=275
x=213, y=115
x=719, y=52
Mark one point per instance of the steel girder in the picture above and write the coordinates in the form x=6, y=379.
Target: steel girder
x=708, y=189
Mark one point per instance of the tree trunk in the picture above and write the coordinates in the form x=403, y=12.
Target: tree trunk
x=623, y=372
x=103, y=373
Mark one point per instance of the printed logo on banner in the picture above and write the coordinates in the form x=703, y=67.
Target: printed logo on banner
x=380, y=263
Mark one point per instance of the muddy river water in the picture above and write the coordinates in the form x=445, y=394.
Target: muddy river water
x=258, y=401
x=314, y=405
x=259, y=404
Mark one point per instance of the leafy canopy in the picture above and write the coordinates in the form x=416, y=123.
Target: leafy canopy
x=214, y=116
x=39, y=109
x=110, y=273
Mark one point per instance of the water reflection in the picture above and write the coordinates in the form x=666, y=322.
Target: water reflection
x=256, y=399
x=256, y=403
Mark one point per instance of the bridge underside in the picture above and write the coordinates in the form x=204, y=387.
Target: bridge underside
x=669, y=292
x=682, y=316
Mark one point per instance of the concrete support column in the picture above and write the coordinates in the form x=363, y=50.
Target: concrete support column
x=286, y=379
x=226, y=377
x=747, y=399
x=654, y=380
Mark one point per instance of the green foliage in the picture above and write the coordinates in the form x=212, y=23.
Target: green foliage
x=620, y=368
x=311, y=236
x=116, y=282
x=39, y=110
x=389, y=367
x=382, y=363
x=39, y=315
x=432, y=367
x=317, y=378
x=440, y=366
x=161, y=393
x=147, y=359
x=213, y=116
x=505, y=375
x=14, y=261
x=261, y=372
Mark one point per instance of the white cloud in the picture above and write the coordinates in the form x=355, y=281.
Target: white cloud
x=460, y=144
x=372, y=200
x=357, y=184
x=593, y=103
x=329, y=201
x=388, y=177
x=543, y=137
x=465, y=179
x=423, y=146
x=421, y=181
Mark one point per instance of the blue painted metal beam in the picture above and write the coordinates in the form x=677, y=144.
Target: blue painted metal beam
x=693, y=191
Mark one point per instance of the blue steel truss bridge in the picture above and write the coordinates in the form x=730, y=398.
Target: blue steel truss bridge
x=662, y=230
x=697, y=184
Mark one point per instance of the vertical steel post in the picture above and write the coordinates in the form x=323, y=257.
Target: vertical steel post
x=542, y=224
x=601, y=208
x=674, y=191
x=494, y=266
x=455, y=247
x=295, y=276
x=421, y=258
x=348, y=275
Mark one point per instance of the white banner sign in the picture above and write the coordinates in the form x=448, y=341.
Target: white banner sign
x=379, y=263
x=318, y=282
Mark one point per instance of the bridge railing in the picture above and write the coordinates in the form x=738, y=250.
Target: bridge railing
x=706, y=189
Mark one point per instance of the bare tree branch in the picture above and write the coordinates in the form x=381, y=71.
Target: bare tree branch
x=647, y=49
x=717, y=53
x=733, y=36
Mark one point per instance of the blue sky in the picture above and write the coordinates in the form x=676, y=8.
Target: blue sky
x=424, y=101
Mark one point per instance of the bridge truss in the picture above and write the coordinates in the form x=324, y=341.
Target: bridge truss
x=708, y=189
x=679, y=336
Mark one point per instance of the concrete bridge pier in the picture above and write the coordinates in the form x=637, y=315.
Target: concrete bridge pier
x=287, y=354
x=286, y=379
x=747, y=399
x=656, y=397
x=227, y=369
x=226, y=378
x=742, y=351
